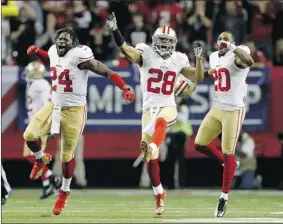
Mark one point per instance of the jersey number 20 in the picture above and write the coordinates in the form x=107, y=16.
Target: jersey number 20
x=63, y=79
x=222, y=85
x=168, y=79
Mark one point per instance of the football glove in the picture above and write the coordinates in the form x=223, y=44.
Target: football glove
x=111, y=21
x=197, y=49
x=226, y=45
x=128, y=95
x=33, y=49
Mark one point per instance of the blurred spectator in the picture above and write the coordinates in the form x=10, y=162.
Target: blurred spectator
x=101, y=43
x=244, y=177
x=144, y=7
x=278, y=53
x=54, y=15
x=197, y=24
x=232, y=20
x=176, y=143
x=120, y=7
x=277, y=31
x=99, y=13
x=262, y=23
x=82, y=17
x=55, y=7
x=168, y=14
x=138, y=32
x=23, y=34
x=260, y=60
x=6, y=44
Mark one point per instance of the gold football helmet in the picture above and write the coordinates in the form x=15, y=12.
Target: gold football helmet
x=34, y=70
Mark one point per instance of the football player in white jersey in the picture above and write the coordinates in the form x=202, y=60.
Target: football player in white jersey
x=69, y=65
x=38, y=94
x=229, y=67
x=160, y=66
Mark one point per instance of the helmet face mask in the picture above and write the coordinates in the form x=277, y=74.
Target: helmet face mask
x=164, y=43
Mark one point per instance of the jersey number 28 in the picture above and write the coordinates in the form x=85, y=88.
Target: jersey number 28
x=63, y=79
x=168, y=79
x=222, y=76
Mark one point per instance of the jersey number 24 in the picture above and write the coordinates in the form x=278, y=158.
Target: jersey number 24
x=63, y=79
x=168, y=79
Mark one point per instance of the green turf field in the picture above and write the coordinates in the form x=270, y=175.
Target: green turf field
x=137, y=206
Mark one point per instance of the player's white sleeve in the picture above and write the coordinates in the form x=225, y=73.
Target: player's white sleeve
x=143, y=49
x=183, y=60
x=43, y=89
x=84, y=53
x=245, y=48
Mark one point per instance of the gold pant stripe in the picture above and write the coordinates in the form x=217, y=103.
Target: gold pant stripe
x=82, y=128
x=240, y=120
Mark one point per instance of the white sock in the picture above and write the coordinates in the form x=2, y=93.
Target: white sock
x=224, y=196
x=48, y=173
x=66, y=184
x=158, y=190
x=153, y=146
x=39, y=154
x=45, y=183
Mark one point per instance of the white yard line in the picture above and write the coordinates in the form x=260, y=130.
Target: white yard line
x=224, y=220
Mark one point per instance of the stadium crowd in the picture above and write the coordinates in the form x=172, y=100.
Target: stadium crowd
x=257, y=24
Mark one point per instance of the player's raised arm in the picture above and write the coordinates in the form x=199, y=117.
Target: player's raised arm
x=101, y=69
x=243, y=58
x=130, y=52
x=35, y=50
x=195, y=74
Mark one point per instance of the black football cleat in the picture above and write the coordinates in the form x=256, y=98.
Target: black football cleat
x=4, y=198
x=221, y=208
x=50, y=189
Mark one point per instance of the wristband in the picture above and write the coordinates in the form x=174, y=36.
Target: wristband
x=232, y=47
x=119, y=39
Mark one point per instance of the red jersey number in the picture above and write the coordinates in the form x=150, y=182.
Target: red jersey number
x=168, y=79
x=63, y=79
x=222, y=76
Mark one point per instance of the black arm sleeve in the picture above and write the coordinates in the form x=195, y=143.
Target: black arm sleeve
x=119, y=39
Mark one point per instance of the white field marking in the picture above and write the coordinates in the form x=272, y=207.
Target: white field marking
x=224, y=220
x=276, y=213
x=138, y=192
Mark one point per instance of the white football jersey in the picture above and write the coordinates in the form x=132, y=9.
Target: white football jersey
x=158, y=76
x=229, y=81
x=38, y=93
x=69, y=83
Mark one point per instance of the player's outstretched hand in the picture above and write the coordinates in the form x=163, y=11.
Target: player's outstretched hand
x=128, y=95
x=197, y=49
x=111, y=21
x=33, y=49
